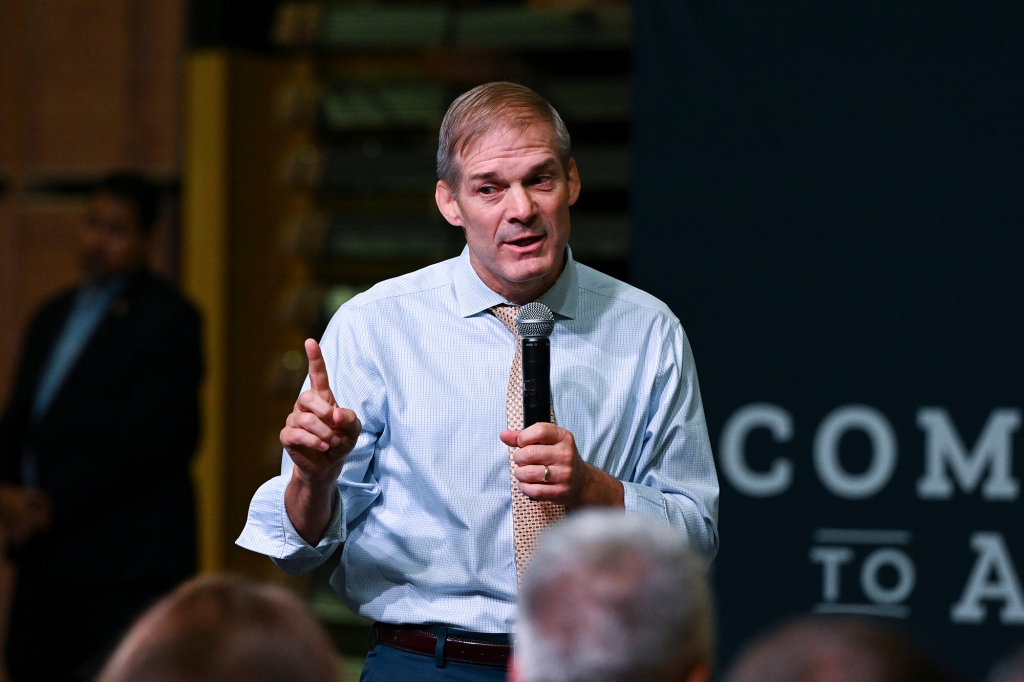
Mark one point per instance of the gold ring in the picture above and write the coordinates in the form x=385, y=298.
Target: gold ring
x=547, y=473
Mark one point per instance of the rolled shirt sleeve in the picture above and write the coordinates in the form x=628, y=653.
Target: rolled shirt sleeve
x=269, y=531
x=356, y=385
x=675, y=479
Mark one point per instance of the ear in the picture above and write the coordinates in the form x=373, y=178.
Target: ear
x=447, y=204
x=574, y=181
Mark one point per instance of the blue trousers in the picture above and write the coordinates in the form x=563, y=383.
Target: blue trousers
x=387, y=664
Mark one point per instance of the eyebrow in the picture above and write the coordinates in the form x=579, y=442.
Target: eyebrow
x=491, y=175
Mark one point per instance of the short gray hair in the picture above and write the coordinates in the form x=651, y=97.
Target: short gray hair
x=611, y=597
x=482, y=109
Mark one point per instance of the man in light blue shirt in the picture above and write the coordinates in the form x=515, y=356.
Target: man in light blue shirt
x=398, y=445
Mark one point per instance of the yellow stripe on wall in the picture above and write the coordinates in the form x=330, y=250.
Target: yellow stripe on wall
x=204, y=276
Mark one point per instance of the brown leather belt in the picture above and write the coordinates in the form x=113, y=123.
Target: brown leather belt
x=456, y=645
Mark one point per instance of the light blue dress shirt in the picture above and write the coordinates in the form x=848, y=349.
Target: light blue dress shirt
x=424, y=500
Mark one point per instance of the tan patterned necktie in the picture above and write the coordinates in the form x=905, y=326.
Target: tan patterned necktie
x=529, y=517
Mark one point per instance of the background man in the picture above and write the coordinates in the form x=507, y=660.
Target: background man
x=613, y=598
x=408, y=444
x=95, y=445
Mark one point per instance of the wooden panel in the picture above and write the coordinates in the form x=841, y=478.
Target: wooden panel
x=46, y=246
x=10, y=88
x=81, y=74
x=161, y=30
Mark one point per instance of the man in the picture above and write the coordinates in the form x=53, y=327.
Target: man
x=95, y=445
x=821, y=649
x=613, y=598
x=408, y=444
x=225, y=629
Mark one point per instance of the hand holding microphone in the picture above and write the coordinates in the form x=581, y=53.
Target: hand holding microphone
x=548, y=464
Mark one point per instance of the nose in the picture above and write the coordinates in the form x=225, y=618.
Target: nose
x=521, y=207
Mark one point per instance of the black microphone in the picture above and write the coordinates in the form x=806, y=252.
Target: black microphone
x=535, y=324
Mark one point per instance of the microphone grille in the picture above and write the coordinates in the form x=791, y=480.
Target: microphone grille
x=535, y=319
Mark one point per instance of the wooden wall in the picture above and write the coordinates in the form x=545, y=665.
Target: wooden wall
x=86, y=87
x=92, y=86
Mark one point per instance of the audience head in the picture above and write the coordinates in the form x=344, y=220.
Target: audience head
x=610, y=597
x=1009, y=669
x=224, y=629
x=822, y=649
x=122, y=214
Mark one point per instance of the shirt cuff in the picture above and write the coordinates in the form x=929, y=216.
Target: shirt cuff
x=268, y=530
x=645, y=501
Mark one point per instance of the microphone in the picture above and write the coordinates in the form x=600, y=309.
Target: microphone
x=535, y=324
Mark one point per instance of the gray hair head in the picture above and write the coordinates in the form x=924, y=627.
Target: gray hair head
x=611, y=597
x=486, y=107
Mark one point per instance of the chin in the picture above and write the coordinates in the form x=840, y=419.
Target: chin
x=532, y=268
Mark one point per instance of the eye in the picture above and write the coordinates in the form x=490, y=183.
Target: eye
x=487, y=189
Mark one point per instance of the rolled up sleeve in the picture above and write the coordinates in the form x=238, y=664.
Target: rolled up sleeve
x=675, y=479
x=268, y=530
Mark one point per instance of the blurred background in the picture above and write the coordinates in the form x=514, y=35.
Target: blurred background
x=829, y=199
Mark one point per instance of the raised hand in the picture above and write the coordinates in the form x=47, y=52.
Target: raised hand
x=318, y=435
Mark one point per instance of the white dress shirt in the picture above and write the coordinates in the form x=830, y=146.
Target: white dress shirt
x=424, y=504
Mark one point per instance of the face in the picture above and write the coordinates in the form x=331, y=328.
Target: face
x=112, y=241
x=513, y=204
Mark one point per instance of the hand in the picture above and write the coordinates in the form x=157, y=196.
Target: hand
x=570, y=481
x=23, y=512
x=318, y=435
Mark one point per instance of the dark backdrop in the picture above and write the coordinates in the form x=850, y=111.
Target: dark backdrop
x=830, y=196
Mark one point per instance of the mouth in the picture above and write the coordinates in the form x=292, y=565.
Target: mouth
x=527, y=243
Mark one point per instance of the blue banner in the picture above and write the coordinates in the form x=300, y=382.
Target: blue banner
x=830, y=196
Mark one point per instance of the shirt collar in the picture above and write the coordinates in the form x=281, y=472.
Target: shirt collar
x=92, y=288
x=475, y=297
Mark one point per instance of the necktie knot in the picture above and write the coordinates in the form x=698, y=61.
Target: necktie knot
x=507, y=314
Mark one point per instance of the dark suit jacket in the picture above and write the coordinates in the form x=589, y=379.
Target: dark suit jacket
x=114, y=448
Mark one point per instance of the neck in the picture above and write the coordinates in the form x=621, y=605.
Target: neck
x=102, y=278
x=519, y=293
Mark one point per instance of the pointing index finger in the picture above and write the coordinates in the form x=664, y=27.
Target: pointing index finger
x=318, y=380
